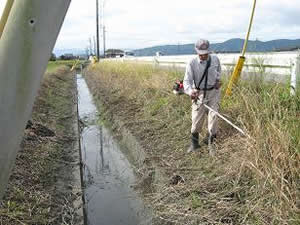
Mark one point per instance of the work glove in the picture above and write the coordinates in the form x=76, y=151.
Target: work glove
x=195, y=94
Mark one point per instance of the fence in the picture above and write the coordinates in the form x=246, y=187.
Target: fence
x=271, y=66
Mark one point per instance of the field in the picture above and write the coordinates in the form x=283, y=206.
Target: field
x=251, y=180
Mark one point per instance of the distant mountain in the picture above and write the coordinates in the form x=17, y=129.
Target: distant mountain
x=232, y=45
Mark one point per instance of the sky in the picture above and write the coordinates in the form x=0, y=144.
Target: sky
x=134, y=24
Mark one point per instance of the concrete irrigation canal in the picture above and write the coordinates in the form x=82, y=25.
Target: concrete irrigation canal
x=106, y=173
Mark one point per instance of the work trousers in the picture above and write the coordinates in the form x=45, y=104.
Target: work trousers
x=199, y=111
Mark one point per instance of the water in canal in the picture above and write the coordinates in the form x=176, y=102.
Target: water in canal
x=107, y=174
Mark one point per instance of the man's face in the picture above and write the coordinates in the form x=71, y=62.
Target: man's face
x=203, y=57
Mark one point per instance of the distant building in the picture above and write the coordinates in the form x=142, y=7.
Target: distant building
x=159, y=54
x=67, y=56
x=114, y=53
x=128, y=54
x=82, y=56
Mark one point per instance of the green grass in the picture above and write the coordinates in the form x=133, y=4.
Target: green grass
x=54, y=65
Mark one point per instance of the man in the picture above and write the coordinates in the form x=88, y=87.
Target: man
x=202, y=84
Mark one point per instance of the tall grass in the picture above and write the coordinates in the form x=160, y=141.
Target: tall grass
x=260, y=172
x=271, y=117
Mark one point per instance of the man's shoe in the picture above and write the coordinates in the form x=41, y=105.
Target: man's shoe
x=194, y=143
x=212, y=139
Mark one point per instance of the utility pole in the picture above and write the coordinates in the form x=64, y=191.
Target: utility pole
x=27, y=41
x=94, y=45
x=97, y=28
x=91, y=46
x=103, y=26
x=87, y=52
x=104, y=40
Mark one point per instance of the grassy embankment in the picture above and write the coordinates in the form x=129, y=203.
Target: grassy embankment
x=250, y=181
x=41, y=187
x=54, y=65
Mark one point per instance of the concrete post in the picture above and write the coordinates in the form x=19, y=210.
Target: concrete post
x=295, y=74
x=25, y=48
x=5, y=15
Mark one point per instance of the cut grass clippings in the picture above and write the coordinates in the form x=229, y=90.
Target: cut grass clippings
x=250, y=180
x=41, y=187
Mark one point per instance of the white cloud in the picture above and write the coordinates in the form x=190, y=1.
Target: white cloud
x=143, y=23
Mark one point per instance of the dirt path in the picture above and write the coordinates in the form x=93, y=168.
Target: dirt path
x=44, y=185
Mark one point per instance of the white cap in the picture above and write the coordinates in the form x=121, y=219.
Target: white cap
x=202, y=47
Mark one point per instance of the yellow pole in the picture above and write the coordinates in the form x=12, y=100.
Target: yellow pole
x=249, y=29
x=235, y=75
x=239, y=66
x=5, y=15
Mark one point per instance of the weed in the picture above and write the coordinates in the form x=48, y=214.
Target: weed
x=250, y=181
x=35, y=195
